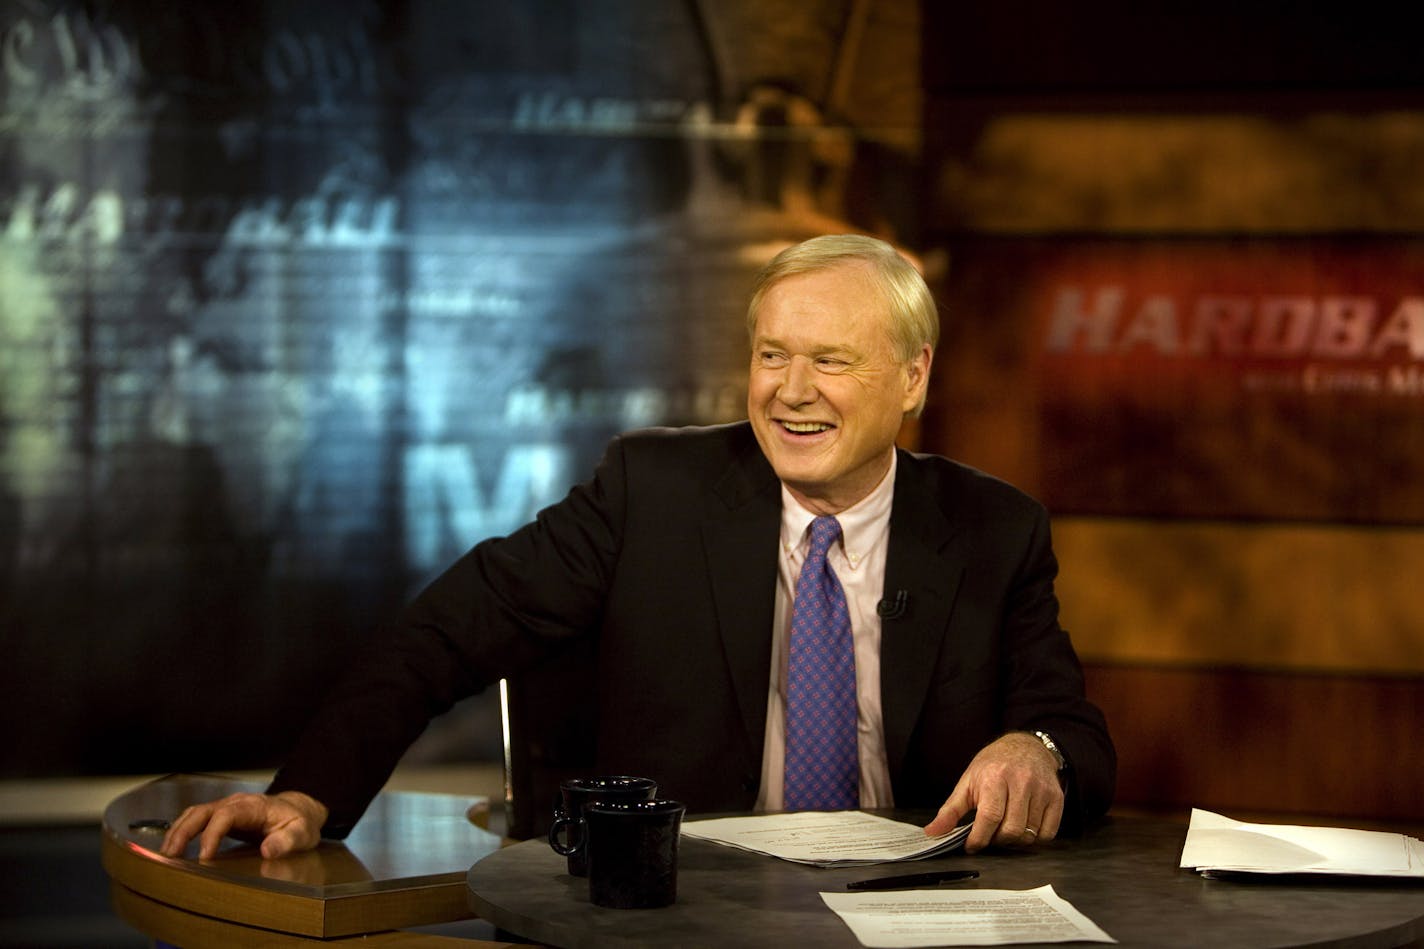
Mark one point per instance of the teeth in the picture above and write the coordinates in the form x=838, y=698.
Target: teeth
x=806, y=428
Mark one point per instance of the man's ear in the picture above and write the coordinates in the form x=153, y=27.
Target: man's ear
x=917, y=377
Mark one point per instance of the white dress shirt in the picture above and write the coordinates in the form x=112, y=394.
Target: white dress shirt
x=859, y=563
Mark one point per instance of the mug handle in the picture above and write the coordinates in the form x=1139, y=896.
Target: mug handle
x=559, y=823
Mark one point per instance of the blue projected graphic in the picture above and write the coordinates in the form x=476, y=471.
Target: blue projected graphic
x=298, y=301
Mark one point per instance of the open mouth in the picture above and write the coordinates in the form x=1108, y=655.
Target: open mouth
x=806, y=428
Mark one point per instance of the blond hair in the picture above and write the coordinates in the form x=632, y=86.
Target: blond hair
x=914, y=318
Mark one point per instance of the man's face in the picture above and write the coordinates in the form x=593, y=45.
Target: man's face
x=827, y=394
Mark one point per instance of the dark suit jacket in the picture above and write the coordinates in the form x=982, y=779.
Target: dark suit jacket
x=668, y=557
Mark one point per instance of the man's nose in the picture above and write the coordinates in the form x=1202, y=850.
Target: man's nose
x=799, y=385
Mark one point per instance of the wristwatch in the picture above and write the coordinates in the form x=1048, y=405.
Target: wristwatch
x=1052, y=746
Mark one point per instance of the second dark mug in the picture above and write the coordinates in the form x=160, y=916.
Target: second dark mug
x=575, y=794
x=632, y=853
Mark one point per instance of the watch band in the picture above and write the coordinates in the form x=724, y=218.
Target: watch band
x=1052, y=746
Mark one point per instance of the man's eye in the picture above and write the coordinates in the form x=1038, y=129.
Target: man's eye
x=827, y=364
x=773, y=360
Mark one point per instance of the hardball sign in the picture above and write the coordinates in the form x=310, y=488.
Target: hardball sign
x=1235, y=326
x=1272, y=379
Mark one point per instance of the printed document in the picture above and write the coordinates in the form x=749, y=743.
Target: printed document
x=1219, y=845
x=827, y=838
x=909, y=918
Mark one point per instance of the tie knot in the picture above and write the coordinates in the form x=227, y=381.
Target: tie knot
x=824, y=532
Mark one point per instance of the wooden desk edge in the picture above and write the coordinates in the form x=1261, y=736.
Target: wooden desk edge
x=432, y=900
x=183, y=928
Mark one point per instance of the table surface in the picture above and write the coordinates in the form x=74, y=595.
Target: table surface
x=1122, y=874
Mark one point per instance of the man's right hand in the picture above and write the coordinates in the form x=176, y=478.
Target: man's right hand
x=286, y=822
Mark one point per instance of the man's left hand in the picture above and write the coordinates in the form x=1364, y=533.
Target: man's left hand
x=1013, y=786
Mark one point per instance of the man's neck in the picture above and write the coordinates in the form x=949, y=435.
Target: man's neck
x=832, y=502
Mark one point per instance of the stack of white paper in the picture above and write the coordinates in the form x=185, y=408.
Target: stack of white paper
x=1217, y=844
x=826, y=838
x=909, y=919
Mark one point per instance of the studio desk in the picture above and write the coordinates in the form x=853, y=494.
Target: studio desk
x=416, y=859
x=1122, y=874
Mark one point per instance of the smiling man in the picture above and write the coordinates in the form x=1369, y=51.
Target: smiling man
x=788, y=612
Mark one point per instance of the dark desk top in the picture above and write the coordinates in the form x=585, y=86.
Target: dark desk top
x=1123, y=875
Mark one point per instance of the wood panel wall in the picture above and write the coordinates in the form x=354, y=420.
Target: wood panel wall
x=1240, y=740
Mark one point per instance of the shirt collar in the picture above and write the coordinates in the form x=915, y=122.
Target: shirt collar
x=861, y=524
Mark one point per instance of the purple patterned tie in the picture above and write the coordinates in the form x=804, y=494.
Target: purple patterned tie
x=822, y=763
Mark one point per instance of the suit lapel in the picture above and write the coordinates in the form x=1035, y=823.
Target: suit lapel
x=926, y=560
x=739, y=536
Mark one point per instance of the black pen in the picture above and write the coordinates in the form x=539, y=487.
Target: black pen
x=913, y=880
